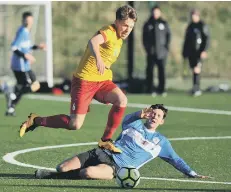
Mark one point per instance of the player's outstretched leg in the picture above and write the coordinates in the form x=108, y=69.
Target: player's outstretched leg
x=72, y=122
x=56, y=121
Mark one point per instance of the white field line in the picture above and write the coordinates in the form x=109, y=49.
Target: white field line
x=10, y=158
x=186, y=180
x=136, y=105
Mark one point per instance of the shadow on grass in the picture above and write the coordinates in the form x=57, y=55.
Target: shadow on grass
x=31, y=176
x=16, y=176
x=117, y=188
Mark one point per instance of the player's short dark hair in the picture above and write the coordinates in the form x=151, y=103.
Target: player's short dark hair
x=26, y=14
x=160, y=106
x=126, y=12
x=195, y=11
x=155, y=7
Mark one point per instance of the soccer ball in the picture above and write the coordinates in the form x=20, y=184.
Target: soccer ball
x=128, y=177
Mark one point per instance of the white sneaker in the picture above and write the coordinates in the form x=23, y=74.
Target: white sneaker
x=154, y=94
x=197, y=93
x=164, y=94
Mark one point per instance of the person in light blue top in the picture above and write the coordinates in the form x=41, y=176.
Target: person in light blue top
x=139, y=142
x=21, y=61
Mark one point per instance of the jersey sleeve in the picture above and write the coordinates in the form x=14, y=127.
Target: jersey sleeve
x=107, y=33
x=18, y=39
x=131, y=120
x=168, y=154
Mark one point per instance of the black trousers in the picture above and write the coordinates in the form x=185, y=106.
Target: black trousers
x=160, y=63
x=24, y=80
x=193, y=61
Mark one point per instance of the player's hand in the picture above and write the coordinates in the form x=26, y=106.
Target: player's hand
x=204, y=55
x=197, y=69
x=146, y=113
x=42, y=46
x=100, y=66
x=30, y=58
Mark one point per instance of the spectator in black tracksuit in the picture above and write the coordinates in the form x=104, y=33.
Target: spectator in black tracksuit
x=195, y=47
x=156, y=39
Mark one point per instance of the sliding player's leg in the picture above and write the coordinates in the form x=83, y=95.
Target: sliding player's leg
x=80, y=102
x=110, y=93
x=93, y=164
x=71, y=163
x=101, y=171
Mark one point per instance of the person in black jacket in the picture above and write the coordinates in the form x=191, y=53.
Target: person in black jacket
x=156, y=39
x=195, y=47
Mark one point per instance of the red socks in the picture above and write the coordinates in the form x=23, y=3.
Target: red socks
x=114, y=118
x=62, y=121
x=57, y=121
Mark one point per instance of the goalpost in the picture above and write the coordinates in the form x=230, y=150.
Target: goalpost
x=10, y=20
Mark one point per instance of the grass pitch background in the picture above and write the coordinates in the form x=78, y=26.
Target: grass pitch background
x=209, y=157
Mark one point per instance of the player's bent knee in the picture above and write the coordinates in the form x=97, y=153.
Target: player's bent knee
x=122, y=101
x=63, y=168
x=59, y=168
x=35, y=86
x=75, y=126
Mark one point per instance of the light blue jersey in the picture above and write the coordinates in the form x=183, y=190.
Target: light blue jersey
x=21, y=42
x=140, y=145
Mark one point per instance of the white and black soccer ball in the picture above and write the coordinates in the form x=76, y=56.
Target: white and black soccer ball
x=128, y=177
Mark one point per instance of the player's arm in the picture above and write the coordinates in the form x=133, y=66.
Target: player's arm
x=170, y=156
x=146, y=41
x=131, y=119
x=205, y=41
x=15, y=46
x=94, y=44
x=186, y=41
x=39, y=46
x=168, y=36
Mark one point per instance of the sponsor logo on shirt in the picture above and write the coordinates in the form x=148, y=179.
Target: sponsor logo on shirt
x=138, y=138
x=161, y=26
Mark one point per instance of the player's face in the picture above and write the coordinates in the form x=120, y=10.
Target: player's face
x=156, y=119
x=29, y=21
x=124, y=27
x=156, y=13
x=195, y=18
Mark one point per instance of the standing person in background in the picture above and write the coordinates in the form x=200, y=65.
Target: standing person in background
x=156, y=40
x=21, y=61
x=195, y=47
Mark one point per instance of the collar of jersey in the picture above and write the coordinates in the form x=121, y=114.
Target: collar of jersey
x=25, y=28
x=113, y=27
x=150, y=131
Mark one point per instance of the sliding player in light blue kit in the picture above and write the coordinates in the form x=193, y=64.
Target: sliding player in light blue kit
x=139, y=143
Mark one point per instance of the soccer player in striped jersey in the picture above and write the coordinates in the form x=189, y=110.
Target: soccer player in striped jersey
x=139, y=142
x=93, y=80
x=21, y=61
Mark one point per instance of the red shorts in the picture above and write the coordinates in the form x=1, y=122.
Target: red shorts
x=82, y=93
